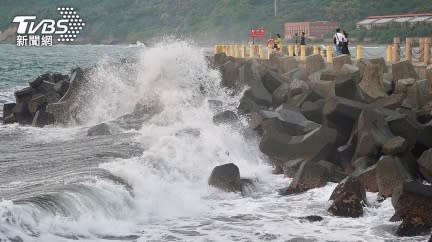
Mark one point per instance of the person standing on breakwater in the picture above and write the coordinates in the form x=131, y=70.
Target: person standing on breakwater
x=338, y=40
x=345, y=44
x=303, y=39
x=278, y=41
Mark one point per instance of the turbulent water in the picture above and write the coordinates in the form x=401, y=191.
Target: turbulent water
x=148, y=181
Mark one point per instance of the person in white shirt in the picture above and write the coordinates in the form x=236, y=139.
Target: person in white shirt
x=338, y=40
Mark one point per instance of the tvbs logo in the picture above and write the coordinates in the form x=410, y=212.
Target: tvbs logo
x=31, y=32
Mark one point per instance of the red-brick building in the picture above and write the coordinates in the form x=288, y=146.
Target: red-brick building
x=312, y=30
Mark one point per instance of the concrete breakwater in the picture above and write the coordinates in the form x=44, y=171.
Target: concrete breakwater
x=366, y=125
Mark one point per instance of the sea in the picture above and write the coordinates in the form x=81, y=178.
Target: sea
x=148, y=181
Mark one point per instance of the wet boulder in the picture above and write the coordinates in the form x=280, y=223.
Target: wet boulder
x=341, y=60
x=348, y=198
x=37, y=102
x=8, y=110
x=368, y=179
x=291, y=167
x=402, y=70
x=314, y=63
x=395, y=145
x=42, y=118
x=22, y=114
x=412, y=202
x=100, y=129
x=25, y=94
x=294, y=123
x=225, y=117
x=249, y=103
x=227, y=178
x=61, y=87
x=390, y=173
x=425, y=164
x=310, y=175
x=279, y=144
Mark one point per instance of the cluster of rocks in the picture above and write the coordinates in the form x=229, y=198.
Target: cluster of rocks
x=36, y=104
x=367, y=126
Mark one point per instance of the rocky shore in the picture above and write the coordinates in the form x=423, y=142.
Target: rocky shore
x=366, y=126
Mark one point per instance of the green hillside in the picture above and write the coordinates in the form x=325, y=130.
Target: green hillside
x=207, y=20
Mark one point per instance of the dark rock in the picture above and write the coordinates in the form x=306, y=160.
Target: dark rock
x=346, y=86
x=226, y=177
x=425, y=164
x=412, y=202
x=281, y=94
x=8, y=109
x=272, y=80
x=297, y=73
x=61, y=87
x=67, y=109
x=36, y=103
x=57, y=77
x=394, y=146
x=9, y=119
x=100, y=129
x=230, y=74
x=368, y=179
x=337, y=107
x=313, y=110
x=249, y=103
x=310, y=175
x=250, y=74
x=392, y=102
x=348, y=198
x=340, y=60
x=402, y=70
x=335, y=174
x=46, y=87
x=390, y=173
x=291, y=167
x=38, y=80
x=410, y=227
x=313, y=218
x=42, y=118
x=22, y=114
x=294, y=123
x=225, y=117
x=278, y=144
x=314, y=63
x=24, y=94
